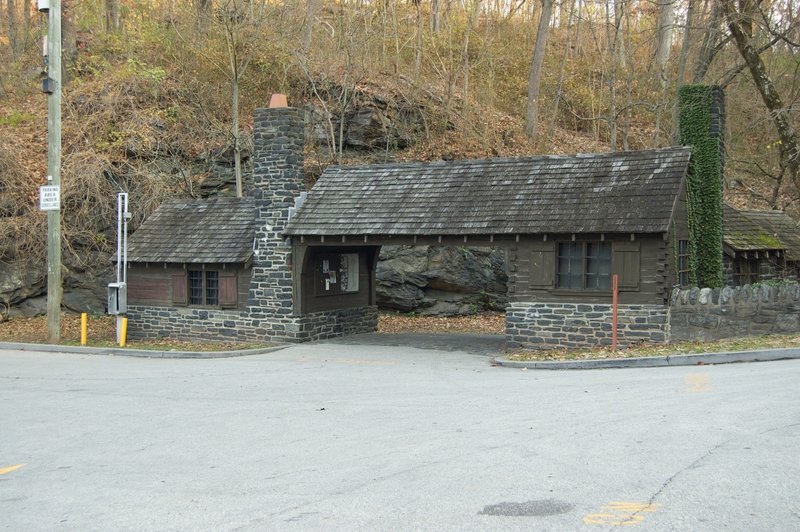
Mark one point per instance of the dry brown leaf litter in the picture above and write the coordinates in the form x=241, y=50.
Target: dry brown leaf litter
x=475, y=324
x=102, y=333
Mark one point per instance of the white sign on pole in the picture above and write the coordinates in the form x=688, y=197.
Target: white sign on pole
x=49, y=198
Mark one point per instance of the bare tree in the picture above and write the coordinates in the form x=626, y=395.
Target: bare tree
x=740, y=22
x=312, y=9
x=113, y=18
x=229, y=46
x=69, y=37
x=663, y=41
x=535, y=78
x=562, y=67
x=11, y=18
x=435, y=16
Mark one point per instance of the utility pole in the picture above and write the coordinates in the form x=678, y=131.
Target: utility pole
x=54, y=290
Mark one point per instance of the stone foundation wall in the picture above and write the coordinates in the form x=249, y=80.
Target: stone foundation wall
x=706, y=314
x=209, y=324
x=557, y=325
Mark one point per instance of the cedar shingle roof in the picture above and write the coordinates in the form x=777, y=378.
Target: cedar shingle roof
x=611, y=192
x=761, y=231
x=216, y=230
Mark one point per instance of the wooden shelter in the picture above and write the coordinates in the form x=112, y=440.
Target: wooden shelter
x=760, y=245
x=571, y=221
x=568, y=224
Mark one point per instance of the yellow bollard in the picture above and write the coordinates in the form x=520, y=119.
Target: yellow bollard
x=123, y=335
x=84, y=328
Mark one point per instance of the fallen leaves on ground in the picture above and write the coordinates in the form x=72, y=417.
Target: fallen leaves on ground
x=102, y=332
x=494, y=323
x=34, y=330
x=653, y=350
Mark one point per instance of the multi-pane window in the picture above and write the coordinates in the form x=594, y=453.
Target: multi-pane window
x=683, y=262
x=203, y=287
x=584, y=265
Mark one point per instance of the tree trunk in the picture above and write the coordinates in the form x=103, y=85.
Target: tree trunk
x=435, y=19
x=740, y=25
x=113, y=21
x=535, y=79
x=69, y=38
x=237, y=149
x=474, y=9
x=551, y=125
x=682, y=60
x=11, y=18
x=663, y=43
x=709, y=46
x=312, y=9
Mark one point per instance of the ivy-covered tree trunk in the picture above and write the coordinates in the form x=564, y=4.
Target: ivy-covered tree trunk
x=701, y=127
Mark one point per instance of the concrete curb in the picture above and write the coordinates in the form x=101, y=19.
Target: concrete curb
x=655, y=362
x=142, y=353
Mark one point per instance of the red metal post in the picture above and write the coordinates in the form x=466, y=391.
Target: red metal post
x=614, y=305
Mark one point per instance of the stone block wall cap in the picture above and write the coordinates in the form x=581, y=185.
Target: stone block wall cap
x=278, y=100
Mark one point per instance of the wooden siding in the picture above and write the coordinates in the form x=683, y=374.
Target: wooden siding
x=643, y=256
x=166, y=286
x=678, y=231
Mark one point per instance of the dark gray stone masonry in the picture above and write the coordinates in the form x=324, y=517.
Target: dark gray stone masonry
x=194, y=323
x=570, y=325
x=706, y=314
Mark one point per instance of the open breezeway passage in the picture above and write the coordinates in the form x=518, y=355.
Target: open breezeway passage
x=345, y=437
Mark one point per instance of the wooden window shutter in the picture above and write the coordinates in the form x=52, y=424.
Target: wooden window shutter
x=543, y=265
x=626, y=260
x=179, y=289
x=227, y=289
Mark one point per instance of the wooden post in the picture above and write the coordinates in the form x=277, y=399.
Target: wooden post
x=614, y=305
x=54, y=171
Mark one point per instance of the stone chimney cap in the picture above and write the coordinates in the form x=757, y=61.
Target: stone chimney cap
x=278, y=100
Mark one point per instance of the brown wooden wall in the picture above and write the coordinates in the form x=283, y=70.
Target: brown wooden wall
x=640, y=263
x=678, y=231
x=167, y=285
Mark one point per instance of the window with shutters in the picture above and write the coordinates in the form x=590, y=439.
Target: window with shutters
x=206, y=287
x=203, y=287
x=584, y=265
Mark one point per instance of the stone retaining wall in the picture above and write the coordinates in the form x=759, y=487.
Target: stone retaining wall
x=210, y=324
x=557, y=325
x=706, y=314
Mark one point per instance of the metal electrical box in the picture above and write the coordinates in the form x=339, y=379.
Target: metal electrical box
x=117, y=298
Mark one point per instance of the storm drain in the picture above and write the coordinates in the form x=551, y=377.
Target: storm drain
x=537, y=508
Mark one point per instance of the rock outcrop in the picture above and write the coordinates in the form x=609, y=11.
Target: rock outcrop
x=434, y=280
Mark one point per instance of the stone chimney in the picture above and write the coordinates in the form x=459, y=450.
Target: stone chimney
x=702, y=126
x=716, y=128
x=278, y=139
x=278, y=178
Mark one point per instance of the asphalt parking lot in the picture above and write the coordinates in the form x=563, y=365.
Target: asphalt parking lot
x=353, y=436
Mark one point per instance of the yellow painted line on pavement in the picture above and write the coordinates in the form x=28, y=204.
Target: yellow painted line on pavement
x=621, y=513
x=697, y=382
x=4, y=470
